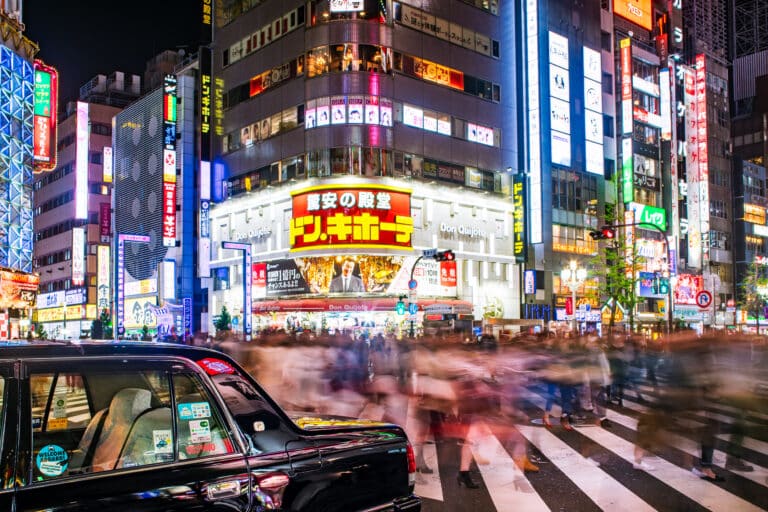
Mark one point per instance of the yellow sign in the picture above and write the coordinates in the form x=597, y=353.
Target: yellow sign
x=57, y=314
x=606, y=315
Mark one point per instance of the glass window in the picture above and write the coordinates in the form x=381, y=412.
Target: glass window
x=318, y=61
x=201, y=430
x=84, y=423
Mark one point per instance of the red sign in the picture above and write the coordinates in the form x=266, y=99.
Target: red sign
x=105, y=219
x=259, y=275
x=359, y=216
x=46, y=97
x=447, y=273
x=687, y=288
x=569, y=305
x=169, y=214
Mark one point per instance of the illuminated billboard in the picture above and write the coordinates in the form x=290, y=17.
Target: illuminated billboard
x=45, y=122
x=636, y=11
x=347, y=5
x=103, y=265
x=692, y=170
x=78, y=256
x=360, y=216
x=365, y=275
x=559, y=96
x=107, y=164
x=649, y=215
x=701, y=136
x=518, y=227
x=593, y=111
x=625, y=49
x=533, y=113
x=82, y=138
x=17, y=289
x=169, y=161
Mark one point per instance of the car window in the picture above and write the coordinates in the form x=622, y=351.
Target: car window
x=59, y=401
x=97, y=421
x=199, y=425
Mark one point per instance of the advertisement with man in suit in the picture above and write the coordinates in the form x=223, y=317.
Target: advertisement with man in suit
x=347, y=282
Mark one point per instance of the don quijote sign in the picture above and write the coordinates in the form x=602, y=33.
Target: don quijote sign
x=462, y=230
x=253, y=234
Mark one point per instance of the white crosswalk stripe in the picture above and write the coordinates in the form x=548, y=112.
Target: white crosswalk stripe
x=508, y=488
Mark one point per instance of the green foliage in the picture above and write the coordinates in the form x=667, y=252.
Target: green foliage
x=145, y=336
x=619, y=268
x=752, y=288
x=40, y=332
x=224, y=320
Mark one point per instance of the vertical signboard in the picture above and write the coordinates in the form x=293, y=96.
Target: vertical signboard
x=168, y=276
x=78, y=256
x=105, y=222
x=81, y=161
x=206, y=104
x=44, y=116
x=665, y=104
x=102, y=278
x=625, y=49
x=534, y=119
x=169, y=161
x=692, y=169
x=560, y=109
x=122, y=239
x=107, y=164
x=701, y=139
x=518, y=203
x=593, y=111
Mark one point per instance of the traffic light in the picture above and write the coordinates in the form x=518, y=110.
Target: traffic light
x=446, y=255
x=400, y=306
x=605, y=233
x=663, y=285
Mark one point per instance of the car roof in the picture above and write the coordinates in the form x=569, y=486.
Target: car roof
x=75, y=349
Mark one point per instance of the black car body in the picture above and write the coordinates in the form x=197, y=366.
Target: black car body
x=138, y=426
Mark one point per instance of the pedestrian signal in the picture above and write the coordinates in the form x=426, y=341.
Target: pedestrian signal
x=605, y=233
x=445, y=255
x=400, y=306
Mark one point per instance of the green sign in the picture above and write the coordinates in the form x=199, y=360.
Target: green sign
x=645, y=214
x=627, y=173
x=42, y=94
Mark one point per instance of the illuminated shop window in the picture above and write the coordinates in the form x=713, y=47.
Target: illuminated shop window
x=448, y=77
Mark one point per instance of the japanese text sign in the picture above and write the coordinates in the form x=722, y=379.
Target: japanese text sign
x=366, y=215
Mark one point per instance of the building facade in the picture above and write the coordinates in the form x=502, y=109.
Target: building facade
x=155, y=289
x=17, y=89
x=413, y=103
x=72, y=205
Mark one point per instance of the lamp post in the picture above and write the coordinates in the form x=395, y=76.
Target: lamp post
x=574, y=276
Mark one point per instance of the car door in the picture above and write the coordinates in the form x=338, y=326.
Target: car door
x=9, y=418
x=155, y=439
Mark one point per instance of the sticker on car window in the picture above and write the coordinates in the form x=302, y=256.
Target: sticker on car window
x=59, y=406
x=161, y=440
x=213, y=366
x=57, y=423
x=194, y=411
x=37, y=421
x=52, y=460
x=200, y=431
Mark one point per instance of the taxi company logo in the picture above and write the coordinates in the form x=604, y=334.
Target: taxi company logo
x=462, y=230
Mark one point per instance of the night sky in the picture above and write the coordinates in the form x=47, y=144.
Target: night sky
x=89, y=37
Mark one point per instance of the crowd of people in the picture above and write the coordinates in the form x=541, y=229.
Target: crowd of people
x=460, y=389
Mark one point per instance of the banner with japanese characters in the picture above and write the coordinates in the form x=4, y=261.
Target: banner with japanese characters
x=370, y=216
x=368, y=275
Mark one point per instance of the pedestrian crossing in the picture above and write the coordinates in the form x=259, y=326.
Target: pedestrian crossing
x=591, y=468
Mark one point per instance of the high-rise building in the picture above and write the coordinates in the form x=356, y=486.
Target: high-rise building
x=72, y=206
x=17, y=87
x=155, y=205
x=367, y=131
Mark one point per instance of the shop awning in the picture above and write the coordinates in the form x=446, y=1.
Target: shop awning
x=352, y=304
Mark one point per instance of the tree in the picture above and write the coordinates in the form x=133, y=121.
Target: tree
x=145, y=333
x=40, y=332
x=224, y=321
x=621, y=265
x=753, y=290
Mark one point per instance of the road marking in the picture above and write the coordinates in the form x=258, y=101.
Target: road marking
x=506, y=483
x=683, y=481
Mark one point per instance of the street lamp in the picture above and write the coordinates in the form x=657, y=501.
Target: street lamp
x=573, y=276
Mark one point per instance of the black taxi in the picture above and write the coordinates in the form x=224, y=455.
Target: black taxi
x=139, y=426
